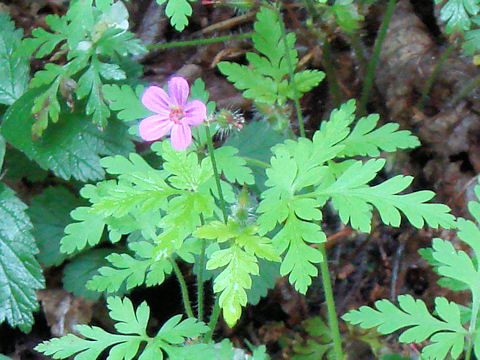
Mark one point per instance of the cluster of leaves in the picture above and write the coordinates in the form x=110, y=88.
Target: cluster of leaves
x=303, y=177
x=446, y=327
x=463, y=16
x=71, y=147
x=344, y=13
x=266, y=78
x=21, y=274
x=96, y=44
x=131, y=326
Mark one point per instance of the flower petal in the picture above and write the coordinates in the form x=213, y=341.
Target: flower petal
x=154, y=127
x=195, y=112
x=181, y=136
x=157, y=100
x=178, y=90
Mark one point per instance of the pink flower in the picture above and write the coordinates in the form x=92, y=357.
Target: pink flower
x=173, y=113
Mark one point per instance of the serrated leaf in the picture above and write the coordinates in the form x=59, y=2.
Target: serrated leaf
x=126, y=101
x=21, y=274
x=14, y=69
x=447, y=330
x=70, y=148
x=50, y=214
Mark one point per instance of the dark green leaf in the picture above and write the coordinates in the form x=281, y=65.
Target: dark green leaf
x=14, y=70
x=81, y=269
x=254, y=143
x=21, y=275
x=50, y=213
x=71, y=147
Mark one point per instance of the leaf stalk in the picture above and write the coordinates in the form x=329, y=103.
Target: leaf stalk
x=183, y=288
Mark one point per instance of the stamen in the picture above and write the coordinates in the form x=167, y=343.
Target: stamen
x=176, y=114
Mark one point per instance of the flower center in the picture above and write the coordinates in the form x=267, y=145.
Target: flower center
x=176, y=114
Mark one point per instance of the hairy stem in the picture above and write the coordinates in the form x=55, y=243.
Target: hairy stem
x=215, y=173
x=256, y=162
x=183, y=288
x=431, y=78
x=332, y=313
x=291, y=74
x=199, y=41
x=201, y=264
x=213, y=321
x=357, y=47
x=216, y=308
x=372, y=64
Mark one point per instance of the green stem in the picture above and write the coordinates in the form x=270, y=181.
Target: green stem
x=368, y=83
x=213, y=321
x=357, y=47
x=256, y=162
x=183, y=289
x=466, y=90
x=330, y=73
x=473, y=324
x=431, y=78
x=327, y=59
x=216, y=308
x=201, y=264
x=215, y=173
x=291, y=74
x=199, y=41
x=332, y=314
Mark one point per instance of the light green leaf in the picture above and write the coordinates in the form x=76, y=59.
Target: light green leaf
x=447, y=330
x=131, y=326
x=178, y=11
x=126, y=101
x=457, y=14
x=88, y=230
x=232, y=166
x=364, y=140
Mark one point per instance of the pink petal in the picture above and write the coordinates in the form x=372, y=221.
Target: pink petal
x=178, y=90
x=157, y=100
x=154, y=127
x=181, y=136
x=195, y=112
